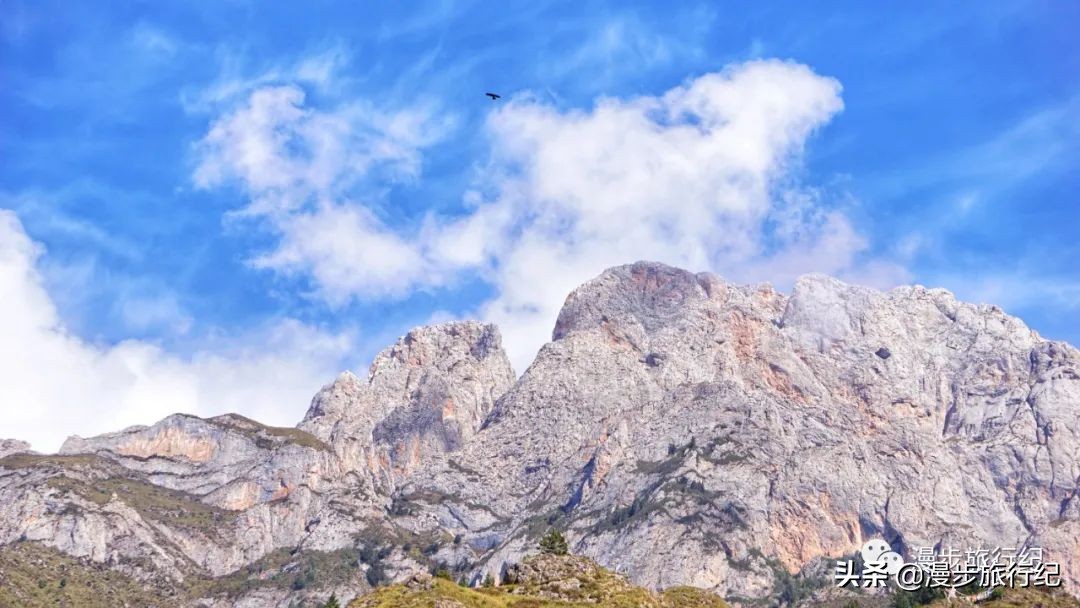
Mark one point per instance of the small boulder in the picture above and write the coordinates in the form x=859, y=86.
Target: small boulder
x=420, y=581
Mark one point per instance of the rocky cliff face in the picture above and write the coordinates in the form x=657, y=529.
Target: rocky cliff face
x=683, y=430
x=227, y=461
x=680, y=429
x=426, y=396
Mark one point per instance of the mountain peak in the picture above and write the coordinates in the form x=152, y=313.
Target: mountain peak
x=441, y=346
x=651, y=293
x=425, y=395
x=679, y=428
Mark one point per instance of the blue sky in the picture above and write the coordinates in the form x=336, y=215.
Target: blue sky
x=216, y=206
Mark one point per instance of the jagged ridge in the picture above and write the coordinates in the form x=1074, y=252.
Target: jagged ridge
x=679, y=429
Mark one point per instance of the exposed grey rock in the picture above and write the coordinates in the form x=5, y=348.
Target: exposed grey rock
x=228, y=461
x=564, y=577
x=424, y=397
x=243, y=490
x=13, y=446
x=679, y=429
x=679, y=426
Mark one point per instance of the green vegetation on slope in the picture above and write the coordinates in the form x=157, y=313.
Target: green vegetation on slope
x=32, y=576
x=67, y=461
x=554, y=543
x=266, y=436
x=540, y=582
x=154, y=503
x=281, y=569
x=1021, y=598
x=451, y=595
x=96, y=480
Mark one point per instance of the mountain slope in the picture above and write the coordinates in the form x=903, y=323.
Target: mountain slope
x=680, y=430
x=540, y=581
x=686, y=431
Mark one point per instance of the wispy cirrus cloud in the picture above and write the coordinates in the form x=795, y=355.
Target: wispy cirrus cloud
x=1044, y=140
x=623, y=42
x=980, y=189
x=320, y=71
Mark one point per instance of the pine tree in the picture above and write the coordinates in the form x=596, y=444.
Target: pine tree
x=332, y=602
x=554, y=543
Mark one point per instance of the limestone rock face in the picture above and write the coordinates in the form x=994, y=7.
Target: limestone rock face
x=683, y=430
x=679, y=430
x=228, y=461
x=13, y=446
x=425, y=396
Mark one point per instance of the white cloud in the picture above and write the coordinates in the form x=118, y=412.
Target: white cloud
x=700, y=177
x=320, y=71
x=626, y=44
x=347, y=252
x=703, y=176
x=53, y=384
x=153, y=311
x=296, y=165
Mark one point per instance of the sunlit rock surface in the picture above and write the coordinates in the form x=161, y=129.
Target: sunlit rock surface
x=681, y=430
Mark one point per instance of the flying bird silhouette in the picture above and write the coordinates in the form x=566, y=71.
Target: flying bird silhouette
x=493, y=96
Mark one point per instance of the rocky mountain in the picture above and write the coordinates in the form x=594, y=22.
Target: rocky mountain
x=425, y=397
x=681, y=431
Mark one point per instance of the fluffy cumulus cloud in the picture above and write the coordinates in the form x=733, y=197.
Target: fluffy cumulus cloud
x=53, y=384
x=296, y=164
x=703, y=176
x=700, y=177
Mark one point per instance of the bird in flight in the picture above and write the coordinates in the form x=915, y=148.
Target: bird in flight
x=493, y=96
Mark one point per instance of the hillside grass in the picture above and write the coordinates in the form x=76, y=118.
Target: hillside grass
x=446, y=593
x=546, y=582
x=266, y=436
x=281, y=569
x=33, y=576
x=152, y=502
x=26, y=461
x=1020, y=598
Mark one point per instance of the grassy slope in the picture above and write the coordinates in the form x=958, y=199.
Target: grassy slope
x=32, y=576
x=446, y=592
x=1023, y=598
x=551, y=581
x=276, y=434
